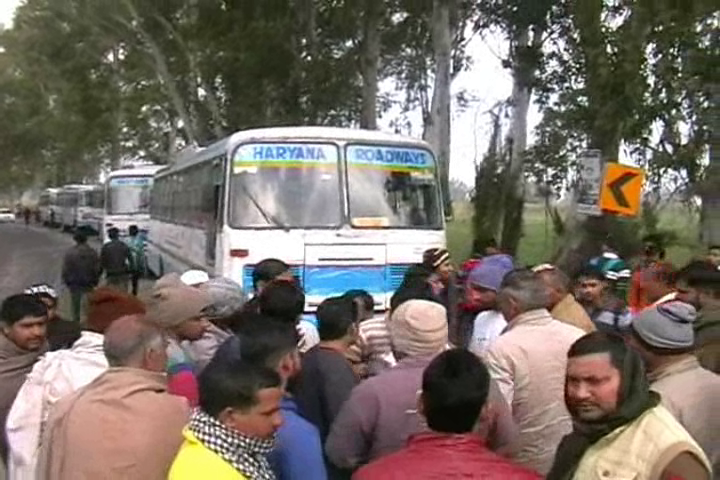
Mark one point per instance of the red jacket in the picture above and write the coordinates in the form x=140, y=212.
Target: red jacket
x=444, y=456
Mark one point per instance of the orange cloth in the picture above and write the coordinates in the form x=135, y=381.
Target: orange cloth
x=637, y=298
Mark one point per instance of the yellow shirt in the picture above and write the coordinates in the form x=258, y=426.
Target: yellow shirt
x=194, y=461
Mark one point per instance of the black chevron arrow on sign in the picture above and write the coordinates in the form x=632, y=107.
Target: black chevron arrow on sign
x=617, y=185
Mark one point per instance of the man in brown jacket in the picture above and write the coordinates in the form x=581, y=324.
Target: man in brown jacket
x=663, y=336
x=561, y=303
x=699, y=285
x=123, y=425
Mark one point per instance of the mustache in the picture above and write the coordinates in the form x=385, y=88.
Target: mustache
x=580, y=404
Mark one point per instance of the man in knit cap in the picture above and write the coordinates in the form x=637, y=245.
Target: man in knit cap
x=227, y=299
x=438, y=261
x=481, y=290
x=472, y=303
x=664, y=337
x=381, y=413
x=59, y=374
x=181, y=311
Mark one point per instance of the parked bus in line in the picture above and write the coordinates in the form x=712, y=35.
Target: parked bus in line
x=127, y=198
x=90, y=211
x=80, y=207
x=345, y=208
x=48, y=207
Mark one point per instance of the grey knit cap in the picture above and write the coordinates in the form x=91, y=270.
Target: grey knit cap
x=226, y=295
x=668, y=325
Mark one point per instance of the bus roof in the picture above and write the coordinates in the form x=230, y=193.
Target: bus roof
x=79, y=187
x=140, y=170
x=193, y=155
x=329, y=133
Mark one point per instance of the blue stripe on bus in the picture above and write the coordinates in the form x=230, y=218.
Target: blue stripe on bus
x=324, y=280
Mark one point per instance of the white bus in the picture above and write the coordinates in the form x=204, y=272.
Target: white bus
x=68, y=200
x=90, y=211
x=48, y=207
x=80, y=206
x=127, y=198
x=345, y=208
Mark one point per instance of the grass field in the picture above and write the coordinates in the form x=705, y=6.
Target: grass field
x=539, y=241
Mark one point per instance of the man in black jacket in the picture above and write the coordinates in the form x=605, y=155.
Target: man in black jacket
x=80, y=272
x=115, y=260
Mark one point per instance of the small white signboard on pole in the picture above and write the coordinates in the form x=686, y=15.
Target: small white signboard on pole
x=589, y=183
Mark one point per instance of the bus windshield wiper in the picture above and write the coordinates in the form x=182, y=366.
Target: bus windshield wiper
x=269, y=217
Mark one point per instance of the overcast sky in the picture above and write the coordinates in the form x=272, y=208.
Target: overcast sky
x=485, y=80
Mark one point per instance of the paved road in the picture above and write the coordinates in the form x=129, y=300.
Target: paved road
x=30, y=255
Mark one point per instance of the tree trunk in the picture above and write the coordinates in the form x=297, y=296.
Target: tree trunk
x=710, y=193
x=162, y=70
x=437, y=128
x=486, y=216
x=370, y=59
x=584, y=237
x=514, y=183
x=117, y=114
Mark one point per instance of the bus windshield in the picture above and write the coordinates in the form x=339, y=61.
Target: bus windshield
x=128, y=195
x=285, y=185
x=392, y=187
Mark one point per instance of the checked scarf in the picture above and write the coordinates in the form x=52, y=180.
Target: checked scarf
x=246, y=454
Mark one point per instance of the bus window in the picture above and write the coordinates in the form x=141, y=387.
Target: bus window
x=394, y=187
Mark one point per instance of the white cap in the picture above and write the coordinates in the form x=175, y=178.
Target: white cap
x=193, y=278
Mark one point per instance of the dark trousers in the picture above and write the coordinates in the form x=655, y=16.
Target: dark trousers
x=134, y=280
x=118, y=282
x=77, y=298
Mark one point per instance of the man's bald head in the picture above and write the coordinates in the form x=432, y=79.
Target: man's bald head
x=556, y=279
x=557, y=285
x=128, y=340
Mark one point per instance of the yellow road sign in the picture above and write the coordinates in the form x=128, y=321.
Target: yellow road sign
x=622, y=189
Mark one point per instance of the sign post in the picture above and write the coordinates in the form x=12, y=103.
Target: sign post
x=589, y=184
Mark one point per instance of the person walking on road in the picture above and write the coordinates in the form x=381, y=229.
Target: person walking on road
x=26, y=216
x=116, y=260
x=80, y=272
x=137, y=249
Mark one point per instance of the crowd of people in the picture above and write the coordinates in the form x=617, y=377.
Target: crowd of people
x=490, y=372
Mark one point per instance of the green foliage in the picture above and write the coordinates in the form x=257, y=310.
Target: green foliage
x=88, y=84
x=633, y=74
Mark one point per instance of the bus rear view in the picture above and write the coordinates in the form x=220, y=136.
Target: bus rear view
x=127, y=198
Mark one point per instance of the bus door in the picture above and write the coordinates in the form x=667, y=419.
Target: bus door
x=214, y=202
